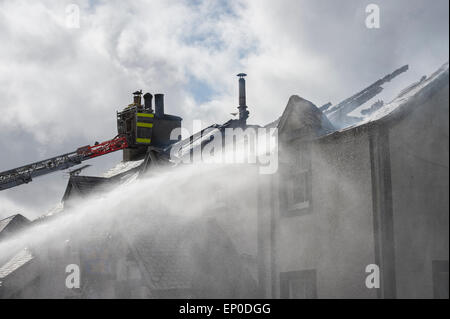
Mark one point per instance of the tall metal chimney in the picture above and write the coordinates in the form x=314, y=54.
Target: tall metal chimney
x=243, y=113
x=159, y=105
x=148, y=101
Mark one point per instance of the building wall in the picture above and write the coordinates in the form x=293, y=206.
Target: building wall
x=22, y=283
x=419, y=152
x=52, y=261
x=265, y=223
x=234, y=205
x=335, y=238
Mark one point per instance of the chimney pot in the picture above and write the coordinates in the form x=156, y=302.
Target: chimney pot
x=159, y=105
x=148, y=101
x=137, y=97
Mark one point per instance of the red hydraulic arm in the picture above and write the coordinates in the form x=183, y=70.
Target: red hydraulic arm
x=117, y=143
x=24, y=174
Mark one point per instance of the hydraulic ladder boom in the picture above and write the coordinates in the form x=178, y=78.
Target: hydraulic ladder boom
x=24, y=174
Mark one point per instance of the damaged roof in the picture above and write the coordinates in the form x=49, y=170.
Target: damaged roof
x=419, y=90
x=302, y=119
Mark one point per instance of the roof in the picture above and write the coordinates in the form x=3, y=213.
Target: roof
x=80, y=185
x=17, y=261
x=85, y=185
x=165, y=257
x=123, y=168
x=5, y=222
x=161, y=246
x=13, y=222
x=400, y=103
x=340, y=115
x=176, y=252
x=302, y=119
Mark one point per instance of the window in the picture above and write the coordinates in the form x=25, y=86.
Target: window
x=297, y=179
x=219, y=196
x=440, y=279
x=298, y=284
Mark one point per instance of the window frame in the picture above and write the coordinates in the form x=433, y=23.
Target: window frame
x=439, y=267
x=300, y=168
x=308, y=276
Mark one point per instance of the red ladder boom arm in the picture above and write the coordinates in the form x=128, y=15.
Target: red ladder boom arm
x=117, y=143
x=24, y=174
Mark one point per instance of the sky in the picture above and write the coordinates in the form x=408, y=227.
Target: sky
x=60, y=86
